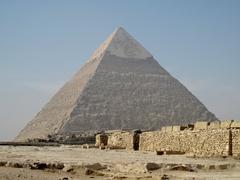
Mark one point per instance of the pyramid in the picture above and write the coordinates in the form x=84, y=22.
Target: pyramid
x=121, y=86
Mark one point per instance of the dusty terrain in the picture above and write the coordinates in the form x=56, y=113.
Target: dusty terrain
x=75, y=162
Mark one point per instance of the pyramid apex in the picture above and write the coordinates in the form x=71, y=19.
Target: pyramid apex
x=120, y=28
x=120, y=43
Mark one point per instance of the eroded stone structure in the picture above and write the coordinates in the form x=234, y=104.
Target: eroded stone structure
x=121, y=86
x=119, y=140
x=204, y=140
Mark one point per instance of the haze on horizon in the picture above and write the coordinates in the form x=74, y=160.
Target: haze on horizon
x=42, y=44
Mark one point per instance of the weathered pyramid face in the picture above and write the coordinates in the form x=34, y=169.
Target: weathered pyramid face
x=121, y=87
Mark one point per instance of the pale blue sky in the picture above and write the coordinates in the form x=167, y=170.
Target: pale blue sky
x=43, y=43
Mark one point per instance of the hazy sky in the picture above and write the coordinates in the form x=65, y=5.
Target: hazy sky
x=43, y=43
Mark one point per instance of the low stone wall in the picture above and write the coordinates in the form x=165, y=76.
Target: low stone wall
x=121, y=140
x=198, y=142
x=235, y=133
x=202, y=139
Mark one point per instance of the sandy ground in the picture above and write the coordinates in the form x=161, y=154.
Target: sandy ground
x=120, y=164
x=7, y=173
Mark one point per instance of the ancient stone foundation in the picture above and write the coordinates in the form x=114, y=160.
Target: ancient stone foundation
x=202, y=140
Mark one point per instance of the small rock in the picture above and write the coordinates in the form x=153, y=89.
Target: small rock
x=68, y=168
x=210, y=167
x=165, y=177
x=59, y=166
x=159, y=152
x=14, y=164
x=182, y=168
x=96, y=166
x=64, y=178
x=119, y=176
x=200, y=166
x=151, y=166
x=89, y=171
x=55, y=165
x=223, y=166
x=3, y=163
x=38, y=165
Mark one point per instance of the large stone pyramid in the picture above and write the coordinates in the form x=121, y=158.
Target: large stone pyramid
x=121, y=86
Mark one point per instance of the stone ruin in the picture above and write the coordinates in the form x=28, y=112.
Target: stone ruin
x=121, y=86
x=202, y=139
x=128, y=139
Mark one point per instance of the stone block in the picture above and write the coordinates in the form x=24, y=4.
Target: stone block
x=200, y=143
x=169, y=128
x=163, y=129
x=235, y=125
x=181, y=167
x=159, y=152
x=201, y=125
x=214, y=125
x=226, y=124
x=174, y=152
x=178, y=128
x=223, y=166
x=121, y=140
x=190, y=126
x=101, y=140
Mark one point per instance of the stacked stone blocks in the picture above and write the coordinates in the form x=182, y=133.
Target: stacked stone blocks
x=204, y=140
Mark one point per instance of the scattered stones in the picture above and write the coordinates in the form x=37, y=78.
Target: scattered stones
x=44, y=165
x=56, y=165
x=96, y=166
x=199, y=166
x=165, y=177
x=223, y=166
x=14, y=164
x=119, y=176
x=88, y=171
x=3, y=163
x=38, y=165
x=64, y=178
x=68, y=168
x=134, y=168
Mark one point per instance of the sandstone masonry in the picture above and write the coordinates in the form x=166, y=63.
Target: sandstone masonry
x=204, y=140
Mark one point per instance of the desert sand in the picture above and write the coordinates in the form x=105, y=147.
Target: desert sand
x=76, y=162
